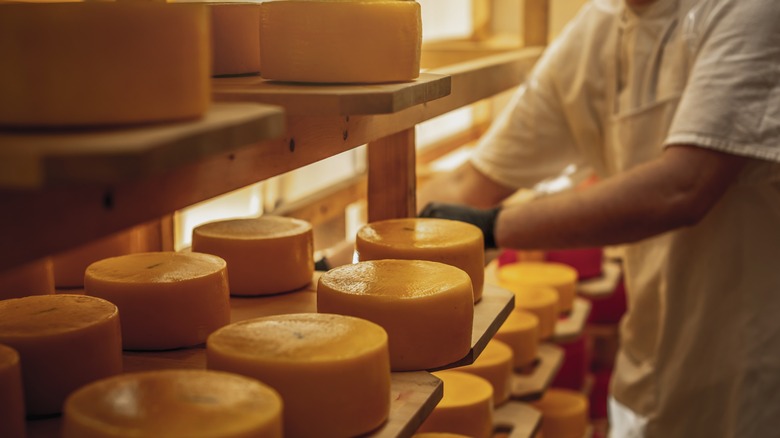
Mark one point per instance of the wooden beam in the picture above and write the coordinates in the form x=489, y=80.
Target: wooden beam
x=536, y=22
x=392, y=183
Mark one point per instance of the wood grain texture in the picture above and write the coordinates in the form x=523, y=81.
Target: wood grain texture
x=517, y=420
x=531, y=385
x=392, y=184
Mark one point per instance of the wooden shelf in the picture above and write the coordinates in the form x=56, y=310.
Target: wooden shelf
x=336, y=99
x=605, y=285
x=530, y=386
x=516, y=420
x=572, y=325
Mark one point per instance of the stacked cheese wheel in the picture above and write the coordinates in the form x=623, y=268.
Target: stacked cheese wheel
x=34, y=278
x=235, y=38
x=102, y=63
x=426, y=307
x=265, y=255
x=520, y=332
x=353, y=41
x=166, y=299
x=466, y=408
x=494, y=364
x=564, y=413
x=12, y=423
x=332, y=371
x=558, y=276
x=174, y=403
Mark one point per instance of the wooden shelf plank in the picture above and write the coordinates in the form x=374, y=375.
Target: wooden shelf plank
x=572, y=326
x=335, y=99
x=35, y=159
x=517, y=420
x=530, y=386
x=604, y=286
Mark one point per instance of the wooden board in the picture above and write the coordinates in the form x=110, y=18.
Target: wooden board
x=37, y=159
x=572, y=325
x=605, y=285
x=333, y=100
x=516, y=420
x=530, y=386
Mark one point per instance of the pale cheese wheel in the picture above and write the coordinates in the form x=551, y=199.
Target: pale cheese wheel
x=64, y=342
x=265, y=255
x=495, y=364
x=466, y=407
x=439, y=240
x=12, y=423
x=166, y=299
x=562, y=278
x=542, y=302
x=174, y=403
x=564, y=413
x=520, y=332
x=115, y=62
x=34, y=278
x=332, y=371
x=235, y=38
x=340, y=41
x=425, y=307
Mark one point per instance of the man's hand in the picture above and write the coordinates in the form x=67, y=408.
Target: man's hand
x=485, y=220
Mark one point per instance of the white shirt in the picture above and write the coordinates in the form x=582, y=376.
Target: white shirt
x=700, y=354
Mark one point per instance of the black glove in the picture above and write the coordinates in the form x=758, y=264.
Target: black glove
x=485, y=220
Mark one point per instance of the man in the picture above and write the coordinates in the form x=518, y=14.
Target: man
x=675, y=104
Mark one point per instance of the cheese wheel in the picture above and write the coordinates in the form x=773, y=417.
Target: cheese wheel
x=69, y=266
x=12, y=424
x=340, y=41
x=265, y=255
x=116, y=63
x=166, y=299
x=332, y=371
x=466, y=408
x=174, y=403
x=495, y=364
x=34, y=278
x=564, y=413
x=235, y=38
x=561, y=277
x=425, y=307
x=542, y=302
x=520, y=332
x=64, y=342
x=439, y=240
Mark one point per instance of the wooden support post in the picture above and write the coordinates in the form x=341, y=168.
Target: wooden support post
x=536, y=22
x=481, y=13
x=391, y=177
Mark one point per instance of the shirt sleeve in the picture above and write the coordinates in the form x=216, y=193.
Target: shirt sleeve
x=731, y=101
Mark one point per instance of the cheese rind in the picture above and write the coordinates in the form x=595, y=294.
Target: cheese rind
x=12, y=424
x=439, y=240
x=265, y=255
x=235, y=38
x=174, y=403
x=466, y=408
x=166, y=299
x=116, y=63
x=564, y=413
x=520, y=332
x=561, y=277
x=34, y=278
x=494, y=364
x=332, y=371
x=78, y=335
x=340, y=41
x=542, y=302
x=425, y=307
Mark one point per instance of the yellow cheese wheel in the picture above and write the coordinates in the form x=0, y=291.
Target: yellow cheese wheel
x=466, y=408
x=564, y=413
x=542, y=302
x=494, y=364
x=235, y=38
x=12, y=424
x=174, y=403
x=563, y=278
x=425, y=307
x=115, y=63
x=166, y=299
x=34, y=278
x=440, y=240
x=520, y=332
x=265, y=255
x=64, y=342
x=332, y=371
x=340, y=41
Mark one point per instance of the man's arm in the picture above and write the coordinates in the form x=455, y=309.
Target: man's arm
x=464, y=185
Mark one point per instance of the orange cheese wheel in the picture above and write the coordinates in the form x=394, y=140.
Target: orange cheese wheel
x=64, y=342
x=235, y=38
x=439, y=240
x=12, y=424
x=562, y=278
x=174, y=403
x=116, y=63
x=265, y=255
x=564, y=413
x=520, y=332
x=166, y=299
x=542, y=302
x=34, y=278
x=495, y=364
x=425, y=307
x=340, y=41
x=332, y=371
x=466, y=408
